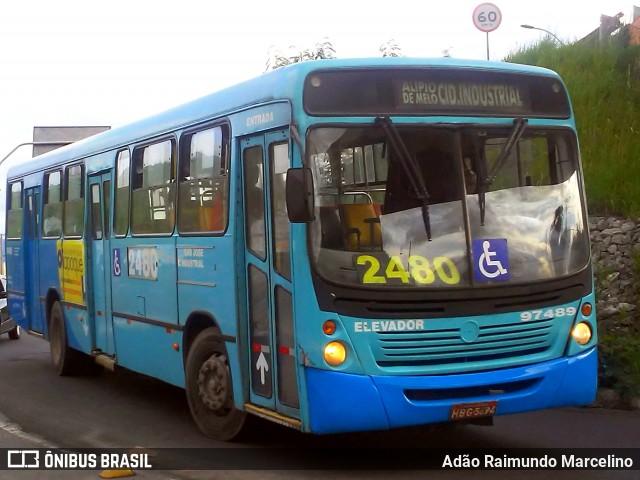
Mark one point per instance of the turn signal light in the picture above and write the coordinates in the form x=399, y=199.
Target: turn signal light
x=329, y=327
x=335, y=354
x=586, y=309
x=582, y=333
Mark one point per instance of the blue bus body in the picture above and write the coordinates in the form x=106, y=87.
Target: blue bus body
x=163, y=263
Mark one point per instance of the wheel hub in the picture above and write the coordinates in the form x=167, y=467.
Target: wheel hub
x=213, y=382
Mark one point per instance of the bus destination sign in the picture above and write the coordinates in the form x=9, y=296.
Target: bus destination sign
x=461, y=96
x=434, y=91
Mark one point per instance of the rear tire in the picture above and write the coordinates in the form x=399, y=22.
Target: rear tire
x=210, y=388
x=14, y=333
x=65, y=360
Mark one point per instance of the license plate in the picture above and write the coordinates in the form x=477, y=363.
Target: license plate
x=463, y=411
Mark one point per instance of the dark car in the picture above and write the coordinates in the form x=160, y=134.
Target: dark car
x=7, y=324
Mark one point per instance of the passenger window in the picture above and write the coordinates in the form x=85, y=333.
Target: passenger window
x=153, y=189
x=279, y=157
x=121, y=208
x=15, y=211
x=96, y=214
x=203, y=187
x=52, y=207
x=254, y=201
x=106, y=193
x=74, y=202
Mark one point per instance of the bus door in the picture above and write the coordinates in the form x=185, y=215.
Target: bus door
x=100, y=260
x=274, y=386
x=31, y=255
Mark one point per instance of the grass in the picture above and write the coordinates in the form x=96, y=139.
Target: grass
x=620, y=358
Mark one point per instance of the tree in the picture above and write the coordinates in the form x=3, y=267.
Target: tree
x=321, y=51
x=390, y=49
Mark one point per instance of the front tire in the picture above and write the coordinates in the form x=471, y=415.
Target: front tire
x=210, y=388
x=65, y=359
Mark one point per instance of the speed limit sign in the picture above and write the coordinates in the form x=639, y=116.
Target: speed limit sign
x=487, y=17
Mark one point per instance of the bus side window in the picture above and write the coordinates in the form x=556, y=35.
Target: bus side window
x=122, y=194
x=15, y=211
x=74, y=201
x=153, y=189
x=52, y=205
x=203, y=181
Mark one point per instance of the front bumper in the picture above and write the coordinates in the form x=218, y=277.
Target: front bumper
x=340, y=402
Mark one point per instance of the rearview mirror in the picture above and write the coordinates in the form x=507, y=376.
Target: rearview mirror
x=300, y=196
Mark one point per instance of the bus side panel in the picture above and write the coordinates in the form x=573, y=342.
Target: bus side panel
x=148, y=349
x=49, y=280
x=71, y=271
x=78, y=328
x=207, y=286
x=16, y=282
x=144, y=296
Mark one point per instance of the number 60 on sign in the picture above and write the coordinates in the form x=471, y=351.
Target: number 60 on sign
x=487, y=17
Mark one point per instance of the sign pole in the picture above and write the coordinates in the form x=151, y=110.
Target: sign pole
x=487, y=45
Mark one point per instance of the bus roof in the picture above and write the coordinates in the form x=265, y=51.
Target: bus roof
x=280, y=84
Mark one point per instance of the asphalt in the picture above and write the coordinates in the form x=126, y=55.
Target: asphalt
x=14, y=438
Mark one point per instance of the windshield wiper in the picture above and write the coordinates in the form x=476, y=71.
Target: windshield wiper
x=519, y=125
x=411, y=169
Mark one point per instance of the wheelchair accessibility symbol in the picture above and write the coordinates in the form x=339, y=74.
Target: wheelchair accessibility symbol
x=491, y=259
x=116, y=262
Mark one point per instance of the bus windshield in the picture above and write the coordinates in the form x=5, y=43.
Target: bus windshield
x=500, y=208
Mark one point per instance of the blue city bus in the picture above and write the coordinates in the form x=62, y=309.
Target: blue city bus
x=336, y=245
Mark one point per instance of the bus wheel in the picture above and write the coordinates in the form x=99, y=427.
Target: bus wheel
x=65, y=359
x=210, y=389
x=14, y=333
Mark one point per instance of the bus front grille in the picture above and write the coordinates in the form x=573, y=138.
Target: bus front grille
x=448, y=345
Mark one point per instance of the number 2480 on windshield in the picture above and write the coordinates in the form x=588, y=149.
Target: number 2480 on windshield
x=418, y=270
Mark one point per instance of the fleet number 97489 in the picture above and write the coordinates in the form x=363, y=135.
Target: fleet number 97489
x=547, y=313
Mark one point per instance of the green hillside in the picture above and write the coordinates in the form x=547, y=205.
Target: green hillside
x=604, y=85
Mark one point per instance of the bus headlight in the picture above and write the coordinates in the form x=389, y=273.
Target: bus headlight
x=581, y=333
x=335, y=354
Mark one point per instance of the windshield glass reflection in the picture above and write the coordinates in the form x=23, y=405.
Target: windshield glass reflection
x=370, y=231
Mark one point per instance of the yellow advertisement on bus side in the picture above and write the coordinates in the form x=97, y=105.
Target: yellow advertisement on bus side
x=71, y=270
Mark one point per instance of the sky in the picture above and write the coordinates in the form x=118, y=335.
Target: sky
x=98, y=62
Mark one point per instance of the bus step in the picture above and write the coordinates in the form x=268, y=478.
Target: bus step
x=273, y=416
x=105, y=360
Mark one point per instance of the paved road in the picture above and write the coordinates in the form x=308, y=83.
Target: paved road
x=123, y=409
